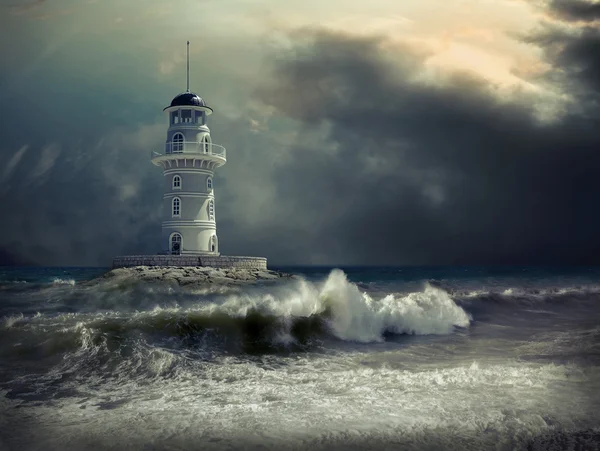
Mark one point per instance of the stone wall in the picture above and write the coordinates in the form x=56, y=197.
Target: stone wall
x=221, y=261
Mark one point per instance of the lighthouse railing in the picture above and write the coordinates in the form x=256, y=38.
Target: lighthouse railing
x=195, y=147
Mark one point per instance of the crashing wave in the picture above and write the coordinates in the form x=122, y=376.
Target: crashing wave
x=59, y=281
x=10, y=321
x=298, y=313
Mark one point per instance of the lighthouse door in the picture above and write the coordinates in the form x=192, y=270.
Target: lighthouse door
x=176, y=244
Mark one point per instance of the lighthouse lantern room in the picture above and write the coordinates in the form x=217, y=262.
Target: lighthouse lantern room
x=188, y=162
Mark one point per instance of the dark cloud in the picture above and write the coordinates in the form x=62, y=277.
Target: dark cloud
x=574, y=50
x=73, y=183
x=433, y=174
x=65, y=210
x=580, y=58
x=578, y=10
x=575, y=57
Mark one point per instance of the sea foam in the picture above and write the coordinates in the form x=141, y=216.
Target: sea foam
x=350, y=313
x=59, y=281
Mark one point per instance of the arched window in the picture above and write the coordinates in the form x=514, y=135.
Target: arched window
x=177, y=145
x=175, y=243
x=213, y=245
x=205, y=144
x=176, y=207
x=176, y=182
x=209, y=184
x=211, y=210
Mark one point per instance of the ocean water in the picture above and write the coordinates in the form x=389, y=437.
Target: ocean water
x=352, y=359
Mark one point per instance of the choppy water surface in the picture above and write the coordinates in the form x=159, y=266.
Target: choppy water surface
x=366, y=358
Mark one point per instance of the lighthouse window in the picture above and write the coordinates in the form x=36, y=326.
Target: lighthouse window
x=186, y=116
x=174, y=117
x=211, y=210
x=199, y=117
x=176, y=206
x=206, y=144
x=176, y=182
x=209, y=183
x=177, y=143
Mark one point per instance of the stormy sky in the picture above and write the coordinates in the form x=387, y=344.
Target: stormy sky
x=382, y=132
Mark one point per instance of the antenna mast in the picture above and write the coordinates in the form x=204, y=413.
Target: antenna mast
x=188, y=67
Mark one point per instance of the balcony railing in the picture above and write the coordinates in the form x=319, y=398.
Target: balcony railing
x=192, y=148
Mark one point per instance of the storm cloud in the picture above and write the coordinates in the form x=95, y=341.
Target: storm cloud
x=349, y=153
x=575, y=9
x=450, y=174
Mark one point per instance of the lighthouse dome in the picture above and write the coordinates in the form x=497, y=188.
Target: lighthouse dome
x=188, y=99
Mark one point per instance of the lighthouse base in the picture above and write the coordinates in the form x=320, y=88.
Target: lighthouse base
x=214, y=261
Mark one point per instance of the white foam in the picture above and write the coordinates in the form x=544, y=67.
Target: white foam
x=350, y=313
x=10, y=321
x=59, y=281
x=354, y=315
x=332, y=399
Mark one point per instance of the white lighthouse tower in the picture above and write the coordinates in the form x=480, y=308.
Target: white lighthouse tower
x=189, y=160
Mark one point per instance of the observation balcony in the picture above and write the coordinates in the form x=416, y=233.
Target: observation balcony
x=191, y=149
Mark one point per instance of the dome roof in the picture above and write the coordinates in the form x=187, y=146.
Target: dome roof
x=188, y=99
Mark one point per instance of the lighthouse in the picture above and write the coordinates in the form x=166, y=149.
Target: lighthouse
x=188, y=162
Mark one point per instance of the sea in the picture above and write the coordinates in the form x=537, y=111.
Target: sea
x=361, y=358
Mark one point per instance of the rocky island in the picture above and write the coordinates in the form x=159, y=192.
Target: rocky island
x=191, y=276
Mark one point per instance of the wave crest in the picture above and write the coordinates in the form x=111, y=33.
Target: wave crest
x=286, y=317
x=356, y=316
x=301, y=310
x=59, y=281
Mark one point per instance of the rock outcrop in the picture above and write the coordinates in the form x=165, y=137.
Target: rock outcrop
x=190, y=275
